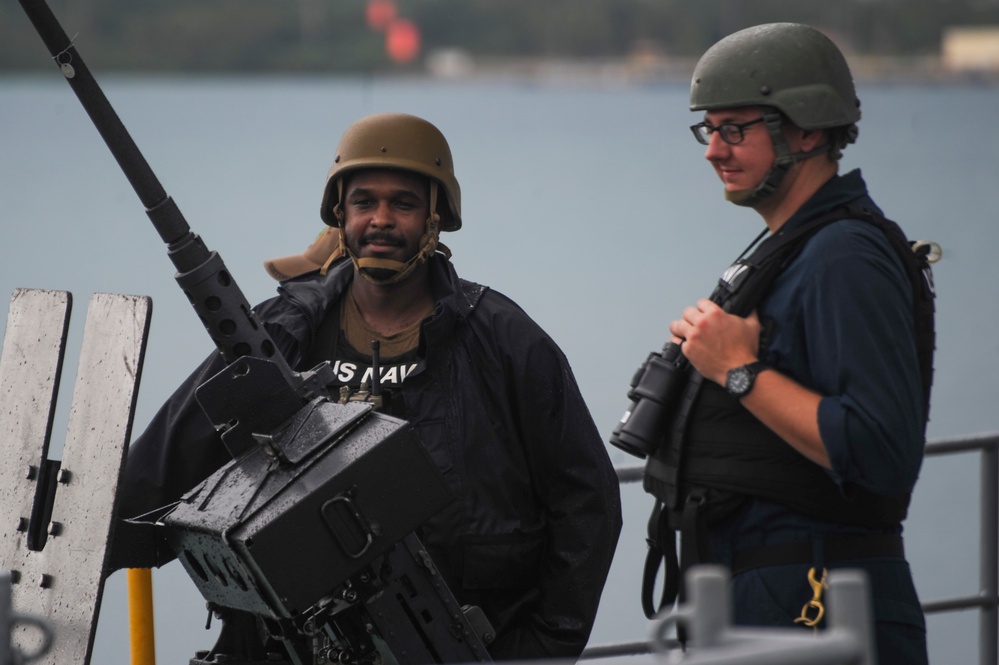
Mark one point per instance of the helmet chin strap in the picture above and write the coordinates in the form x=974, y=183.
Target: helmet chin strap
x=429, y=244
x=782, y=164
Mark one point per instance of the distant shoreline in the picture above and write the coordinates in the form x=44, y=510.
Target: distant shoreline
x=458, y=67
x=621, y=71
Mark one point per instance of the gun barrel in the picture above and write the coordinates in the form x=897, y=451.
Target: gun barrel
x=218, y=301
x=107, y=122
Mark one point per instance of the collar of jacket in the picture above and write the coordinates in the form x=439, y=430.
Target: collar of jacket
x=314, y=294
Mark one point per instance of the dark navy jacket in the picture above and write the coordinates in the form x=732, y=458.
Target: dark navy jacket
x=532, y=530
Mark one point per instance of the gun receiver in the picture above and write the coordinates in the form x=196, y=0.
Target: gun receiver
x=310, y=526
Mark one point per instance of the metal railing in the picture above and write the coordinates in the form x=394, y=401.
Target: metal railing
x=987, y=598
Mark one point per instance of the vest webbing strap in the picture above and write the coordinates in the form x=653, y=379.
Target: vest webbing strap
x=658, y=552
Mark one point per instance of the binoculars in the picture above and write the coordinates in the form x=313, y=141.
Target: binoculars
x=655, y=391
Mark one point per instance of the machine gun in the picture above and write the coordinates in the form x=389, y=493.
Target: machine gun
x=310, y=528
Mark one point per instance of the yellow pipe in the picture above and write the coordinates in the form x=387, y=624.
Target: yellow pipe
x=140, y=616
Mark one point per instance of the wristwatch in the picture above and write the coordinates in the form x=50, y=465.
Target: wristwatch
x=739, y=381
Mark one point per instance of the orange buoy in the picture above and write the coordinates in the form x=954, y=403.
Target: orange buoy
x=379, y=13
x=402, y=41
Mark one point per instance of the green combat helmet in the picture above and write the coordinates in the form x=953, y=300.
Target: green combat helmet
x=786, y=68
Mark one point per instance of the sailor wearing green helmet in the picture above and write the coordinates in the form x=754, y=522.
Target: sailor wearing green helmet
x=808, y=425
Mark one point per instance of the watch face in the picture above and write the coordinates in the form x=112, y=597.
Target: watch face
x=739, y=381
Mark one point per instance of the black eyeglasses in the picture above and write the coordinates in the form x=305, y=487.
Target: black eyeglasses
x=731, y=133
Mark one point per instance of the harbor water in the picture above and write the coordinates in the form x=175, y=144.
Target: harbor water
x=590, y=205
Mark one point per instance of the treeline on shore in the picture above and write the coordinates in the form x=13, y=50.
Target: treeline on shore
x=337, y=36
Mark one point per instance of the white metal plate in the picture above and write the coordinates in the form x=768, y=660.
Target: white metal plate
x=98, y=433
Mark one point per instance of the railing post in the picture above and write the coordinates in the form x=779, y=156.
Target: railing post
x=988, y=633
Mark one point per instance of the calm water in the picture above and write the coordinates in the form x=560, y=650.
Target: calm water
x=591, y=207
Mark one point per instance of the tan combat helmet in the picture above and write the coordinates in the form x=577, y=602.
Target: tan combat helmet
x=404, y=142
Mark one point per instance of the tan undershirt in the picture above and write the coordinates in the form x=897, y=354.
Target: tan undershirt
x=359, y=334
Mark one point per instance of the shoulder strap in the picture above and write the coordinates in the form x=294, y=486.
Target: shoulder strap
x=916, y=263
x=741, y=288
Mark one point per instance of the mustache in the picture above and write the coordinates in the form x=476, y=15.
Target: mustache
x=382, y=238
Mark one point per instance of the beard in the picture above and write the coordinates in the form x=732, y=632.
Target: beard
x=378, y=274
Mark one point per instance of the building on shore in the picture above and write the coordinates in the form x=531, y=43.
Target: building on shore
x=971, y=49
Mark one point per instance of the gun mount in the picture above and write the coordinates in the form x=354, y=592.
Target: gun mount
x=331, y=495
x=310, y=526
